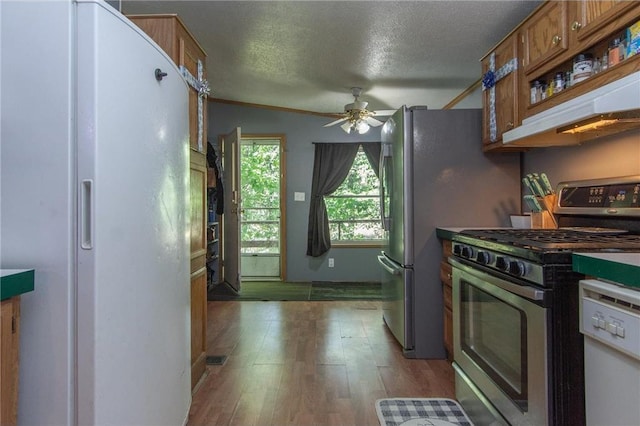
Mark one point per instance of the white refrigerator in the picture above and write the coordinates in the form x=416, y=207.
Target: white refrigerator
x=94, y=183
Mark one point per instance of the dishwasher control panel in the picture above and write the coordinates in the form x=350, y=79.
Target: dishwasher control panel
x=611, y=314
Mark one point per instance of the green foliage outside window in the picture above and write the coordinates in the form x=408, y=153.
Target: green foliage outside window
x=260, y=189
x=354, y=209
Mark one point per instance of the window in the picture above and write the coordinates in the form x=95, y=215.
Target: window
x=354, y=208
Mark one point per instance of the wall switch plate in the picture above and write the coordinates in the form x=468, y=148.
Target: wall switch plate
x=331, y=264
x=298, y=196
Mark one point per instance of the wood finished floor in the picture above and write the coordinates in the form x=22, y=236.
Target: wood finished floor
x=307, y=363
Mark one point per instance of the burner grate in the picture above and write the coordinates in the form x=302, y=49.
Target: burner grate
x=558, y=239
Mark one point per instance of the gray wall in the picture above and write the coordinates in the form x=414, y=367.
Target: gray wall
x=606, y=157
x=351, y=264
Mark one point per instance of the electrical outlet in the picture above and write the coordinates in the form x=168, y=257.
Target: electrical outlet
x=331, y=262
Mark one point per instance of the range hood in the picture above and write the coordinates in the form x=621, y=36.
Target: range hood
x=610, y=109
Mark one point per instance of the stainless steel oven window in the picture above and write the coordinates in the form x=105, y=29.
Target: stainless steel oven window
x=493, y=334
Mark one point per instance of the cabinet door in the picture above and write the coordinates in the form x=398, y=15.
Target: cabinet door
x=198, y=194
x=198, y=325
x=505, y=106
x=9, y=347
x=590, y=16
x=448, y=331
x=189, y=53
x=445, y=277
x=198, y=266
x=545, y=35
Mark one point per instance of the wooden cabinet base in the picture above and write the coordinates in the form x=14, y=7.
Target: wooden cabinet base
x=9, y=351
x=198, y=325
x=445, y=277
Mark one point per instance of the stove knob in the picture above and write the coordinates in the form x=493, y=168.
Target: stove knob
x=516, y=268
x=501, y=263
x=484, y=257
x=467, y=252
x=457, y=249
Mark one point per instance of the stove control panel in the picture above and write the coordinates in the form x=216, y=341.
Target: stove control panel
x=619, y=196
x=501, y=262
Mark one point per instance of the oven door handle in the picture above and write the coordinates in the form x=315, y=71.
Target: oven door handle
x=524, y=291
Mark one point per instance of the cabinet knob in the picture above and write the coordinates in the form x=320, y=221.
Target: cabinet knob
x=555, y=40
x=575, y=26
x=510, y=125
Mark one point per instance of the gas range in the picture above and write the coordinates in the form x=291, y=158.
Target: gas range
x=517, y=347
x=595, y=216
x=535, y=255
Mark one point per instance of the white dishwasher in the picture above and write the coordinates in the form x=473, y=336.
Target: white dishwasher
x=610, y=322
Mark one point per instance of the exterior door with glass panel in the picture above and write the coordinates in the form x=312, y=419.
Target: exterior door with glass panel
x=261, y=248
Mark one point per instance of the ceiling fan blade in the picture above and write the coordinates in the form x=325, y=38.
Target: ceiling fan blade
x=384, y=112
x=340, y=120
x=373, y=122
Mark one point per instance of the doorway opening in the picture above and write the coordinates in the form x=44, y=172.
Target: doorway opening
x=262, y=189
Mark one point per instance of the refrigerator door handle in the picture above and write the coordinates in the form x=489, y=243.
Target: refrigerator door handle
x=86, y=214
x=383, y=167
x=388, y=266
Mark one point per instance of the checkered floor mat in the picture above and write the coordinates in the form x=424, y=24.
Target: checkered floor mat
x=420, y=412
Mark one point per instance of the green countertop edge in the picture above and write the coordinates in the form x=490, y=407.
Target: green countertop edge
x=445, y=234
x=621, y=273
x=16, y=284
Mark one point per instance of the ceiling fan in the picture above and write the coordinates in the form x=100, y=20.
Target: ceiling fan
x=356, y=117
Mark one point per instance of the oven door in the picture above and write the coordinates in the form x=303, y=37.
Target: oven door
x=500, y=345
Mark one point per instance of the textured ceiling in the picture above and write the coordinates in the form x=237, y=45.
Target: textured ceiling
x=308, y=54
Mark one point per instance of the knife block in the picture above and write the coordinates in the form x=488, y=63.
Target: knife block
x=545, y=219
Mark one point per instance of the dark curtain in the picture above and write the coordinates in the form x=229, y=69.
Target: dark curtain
x=372, y=151
x=331, y=166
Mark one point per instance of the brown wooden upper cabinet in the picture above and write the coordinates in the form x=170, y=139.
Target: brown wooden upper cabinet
x=502, y=101
x=588, y=17
x=559, y=30
x=545, y=35
x=545, y=45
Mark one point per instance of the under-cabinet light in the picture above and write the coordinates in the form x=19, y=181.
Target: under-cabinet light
x=625, y=118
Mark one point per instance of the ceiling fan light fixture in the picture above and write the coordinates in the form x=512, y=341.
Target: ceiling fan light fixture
x=356, y=117
x=362, y=127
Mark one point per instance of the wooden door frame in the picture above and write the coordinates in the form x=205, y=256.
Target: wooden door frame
x=283, y=192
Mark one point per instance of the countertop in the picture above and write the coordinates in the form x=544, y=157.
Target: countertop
x=622, y=268
x=14, y=282
x=447, y=232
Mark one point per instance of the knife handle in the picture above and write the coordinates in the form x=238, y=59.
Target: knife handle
x=527, y=183
x=547, y=183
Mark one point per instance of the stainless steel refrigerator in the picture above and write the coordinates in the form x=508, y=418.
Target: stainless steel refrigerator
x=434, y=174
